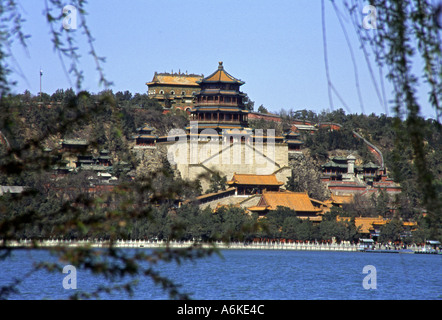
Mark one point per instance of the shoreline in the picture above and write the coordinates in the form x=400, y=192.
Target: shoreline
x=147, y=244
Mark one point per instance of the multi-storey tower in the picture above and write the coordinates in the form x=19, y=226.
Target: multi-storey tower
x=219, y=104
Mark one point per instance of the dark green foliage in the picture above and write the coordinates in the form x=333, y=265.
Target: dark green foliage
x=275, y=220
x=391, y=231
x=217, y=183
x=262, y=109
x=325, y=140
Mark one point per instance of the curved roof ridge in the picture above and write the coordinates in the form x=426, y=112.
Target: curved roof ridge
x=221, y=75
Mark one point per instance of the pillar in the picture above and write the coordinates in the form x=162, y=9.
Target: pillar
x=351, y=164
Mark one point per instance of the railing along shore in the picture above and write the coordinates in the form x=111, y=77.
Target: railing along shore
x=265, y=245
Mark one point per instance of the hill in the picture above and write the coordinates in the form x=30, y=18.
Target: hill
x=34, y=127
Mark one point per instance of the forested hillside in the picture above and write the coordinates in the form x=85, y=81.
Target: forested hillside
x=108, y=120
x=386, y=133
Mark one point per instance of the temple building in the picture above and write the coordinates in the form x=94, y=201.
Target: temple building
x=74, y=145
x=70, y=150
x=371, y=172
x=84, y=160
x=304, y=206
x=249, y=184
x=145, y=138
x=342, y=177
x=293, y=141
x=338, y=167
x=99, y=164
x=104, y=158
x=335, y=168
x=174, y=90
x=78, y=155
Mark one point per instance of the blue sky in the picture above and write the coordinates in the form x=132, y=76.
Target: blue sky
x=275, y=47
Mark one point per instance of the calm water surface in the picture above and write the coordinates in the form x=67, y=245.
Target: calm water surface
x=255, y=274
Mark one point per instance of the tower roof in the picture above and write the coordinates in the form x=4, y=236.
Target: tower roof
x=221, y=75
x=145, y=128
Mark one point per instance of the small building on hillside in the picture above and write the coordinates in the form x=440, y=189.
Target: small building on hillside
x=342, y=176
x=293, y=141
x=84, y=160
x=88, y=161
x=334, y=169
x=145, y=137
x=71, y=150
x=74, y=145
x=104, y=158
x=344, y=168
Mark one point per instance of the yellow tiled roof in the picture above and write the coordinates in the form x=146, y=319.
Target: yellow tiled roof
x=366, y=223
x=179, y=79
x=298, y=201
x=253, y=179
x=256, y=208
x=341, y=199
x=409, y=224
x=222, y=76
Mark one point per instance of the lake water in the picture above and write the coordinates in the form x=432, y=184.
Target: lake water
x=256, y=275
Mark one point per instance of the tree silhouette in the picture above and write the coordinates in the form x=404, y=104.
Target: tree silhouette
x=65, y=208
